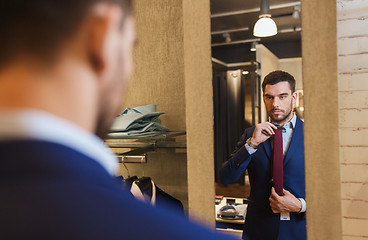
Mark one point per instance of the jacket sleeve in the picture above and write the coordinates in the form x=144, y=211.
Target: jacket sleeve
x=238, y=161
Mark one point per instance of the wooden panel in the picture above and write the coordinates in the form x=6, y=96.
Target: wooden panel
x=199, y=110
x=319, y=44
x=158, y=75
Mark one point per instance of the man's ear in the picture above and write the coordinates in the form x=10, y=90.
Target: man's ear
x=294, y=96
x=103, y=27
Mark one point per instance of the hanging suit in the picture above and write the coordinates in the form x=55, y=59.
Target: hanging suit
x=261, y=223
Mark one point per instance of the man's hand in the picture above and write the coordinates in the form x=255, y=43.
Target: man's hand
x=262, y=132
x=286, y=203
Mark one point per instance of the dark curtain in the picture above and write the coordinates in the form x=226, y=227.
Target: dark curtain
x=229, y=123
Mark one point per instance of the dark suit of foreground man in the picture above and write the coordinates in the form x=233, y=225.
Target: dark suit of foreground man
x=254, y=153
x=63, y=68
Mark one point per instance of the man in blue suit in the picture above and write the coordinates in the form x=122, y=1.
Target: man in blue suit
x=270, y=216
x=63, y=68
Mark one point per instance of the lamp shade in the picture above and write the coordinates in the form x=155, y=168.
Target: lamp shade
x=265, y=27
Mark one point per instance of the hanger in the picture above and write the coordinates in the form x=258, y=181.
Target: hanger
x=127, y=182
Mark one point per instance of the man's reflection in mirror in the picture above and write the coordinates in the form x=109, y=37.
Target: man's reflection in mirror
x=273, y=154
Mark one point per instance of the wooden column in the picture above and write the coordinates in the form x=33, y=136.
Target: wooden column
x=322, y=164
x=199, y=110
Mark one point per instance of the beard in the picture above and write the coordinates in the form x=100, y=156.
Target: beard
x=111, y=101
x=106, y=117
x=282, y=118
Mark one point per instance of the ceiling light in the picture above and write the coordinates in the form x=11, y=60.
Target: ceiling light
x=245, y=72
x=265, y=26
x=253, y=47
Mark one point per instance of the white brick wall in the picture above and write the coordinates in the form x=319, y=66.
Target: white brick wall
x=352, y=36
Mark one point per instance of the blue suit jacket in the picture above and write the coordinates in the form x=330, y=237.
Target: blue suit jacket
x=49, y=191
x=261, y=223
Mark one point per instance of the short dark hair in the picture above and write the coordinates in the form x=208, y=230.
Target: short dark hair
x=39, y=27
x=279, y=76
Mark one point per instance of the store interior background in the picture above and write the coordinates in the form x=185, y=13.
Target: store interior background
x=240, y=62
x=173, y=69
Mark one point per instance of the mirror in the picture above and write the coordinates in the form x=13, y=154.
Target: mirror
x=240, y=63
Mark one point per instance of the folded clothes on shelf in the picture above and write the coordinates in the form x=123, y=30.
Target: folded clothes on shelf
x=140, y=121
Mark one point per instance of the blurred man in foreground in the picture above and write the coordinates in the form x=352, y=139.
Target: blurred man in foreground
x=63, y=67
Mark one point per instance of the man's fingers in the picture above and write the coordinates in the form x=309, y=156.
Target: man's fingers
x=273, y=193
x=268, y=131
x=262, y=132
x=275, y=210
x=273, y=126
x=265, y=132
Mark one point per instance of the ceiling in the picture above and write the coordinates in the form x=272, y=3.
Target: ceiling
x=236, y=19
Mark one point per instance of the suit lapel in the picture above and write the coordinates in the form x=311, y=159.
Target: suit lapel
x=267, y=148
x=295, y=140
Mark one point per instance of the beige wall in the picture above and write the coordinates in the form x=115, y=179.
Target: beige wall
x=269, y=62
x=352, y=35
x=173, y=70
x=294, y=67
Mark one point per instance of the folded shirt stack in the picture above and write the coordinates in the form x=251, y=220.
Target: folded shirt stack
x=138, y=122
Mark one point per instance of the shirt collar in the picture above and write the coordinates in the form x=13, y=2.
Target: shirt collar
x=38, y=125
x=291, y=124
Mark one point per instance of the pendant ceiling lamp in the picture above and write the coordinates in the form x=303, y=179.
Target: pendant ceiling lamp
x=253, y=47
x=265, y=26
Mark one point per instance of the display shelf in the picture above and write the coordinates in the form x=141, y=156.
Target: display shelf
x=143, y=145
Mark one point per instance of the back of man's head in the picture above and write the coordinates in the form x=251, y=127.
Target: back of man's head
x=38, y=28
x=279, y=76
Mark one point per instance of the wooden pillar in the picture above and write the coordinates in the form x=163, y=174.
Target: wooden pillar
x=199, y=110
x=321, y=132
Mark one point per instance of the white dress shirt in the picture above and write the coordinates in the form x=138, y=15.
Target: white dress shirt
x=38, y=125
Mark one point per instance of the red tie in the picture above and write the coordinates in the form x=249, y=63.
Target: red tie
x=277, y=162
